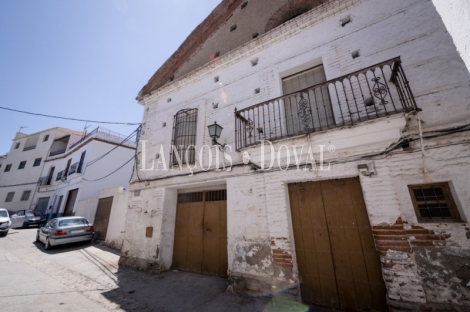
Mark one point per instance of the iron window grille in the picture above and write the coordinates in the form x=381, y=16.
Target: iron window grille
x=190, y=197
x=80, y=165
x=37, y=162
x=22, y=165
x=10, y=197
x=73, y=168
x=7, y=168
x=433, y=202
x=25, y=195
x=46, y=137
x=184, y=137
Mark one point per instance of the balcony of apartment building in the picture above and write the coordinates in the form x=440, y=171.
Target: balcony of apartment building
x=59, y=146
x=311, y=104
x=106, y=135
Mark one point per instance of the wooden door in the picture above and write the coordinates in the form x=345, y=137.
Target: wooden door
x=200, y=244
x=103, y=211
x=71, y=198
x=339, y=266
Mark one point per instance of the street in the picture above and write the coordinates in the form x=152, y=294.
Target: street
x=86, y=277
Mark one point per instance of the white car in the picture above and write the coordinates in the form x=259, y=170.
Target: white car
x=5, y=222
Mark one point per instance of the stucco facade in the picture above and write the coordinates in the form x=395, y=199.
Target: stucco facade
x=423, y=264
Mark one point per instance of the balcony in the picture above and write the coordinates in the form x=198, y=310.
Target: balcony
x=373, y=92
x=58, y=152
x=29, y=148
x=107, y=136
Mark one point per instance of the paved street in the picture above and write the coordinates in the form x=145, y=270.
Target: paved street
x=85, y=277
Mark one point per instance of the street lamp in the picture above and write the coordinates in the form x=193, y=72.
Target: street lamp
x=214, y=132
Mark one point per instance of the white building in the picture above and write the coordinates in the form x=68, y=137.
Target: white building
x=374, y=87
x=22, y=166
x=71, y=182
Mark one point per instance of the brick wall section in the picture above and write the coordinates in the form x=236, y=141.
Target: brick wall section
x=281, y=258
x=403, y=237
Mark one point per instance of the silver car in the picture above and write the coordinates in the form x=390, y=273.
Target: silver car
x=5, y=222
x=26, y=218
x=65, y=230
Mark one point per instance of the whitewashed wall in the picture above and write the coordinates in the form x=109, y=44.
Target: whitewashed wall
x=258, y=206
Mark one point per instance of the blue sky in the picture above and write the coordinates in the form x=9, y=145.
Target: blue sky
x=85, y=59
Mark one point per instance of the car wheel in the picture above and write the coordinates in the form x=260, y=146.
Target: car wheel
x=47, y=245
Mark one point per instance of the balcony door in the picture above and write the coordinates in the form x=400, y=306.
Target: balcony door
x=308, y=108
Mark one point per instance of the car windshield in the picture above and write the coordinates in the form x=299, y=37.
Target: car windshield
x=70, y=222
x=3, y=214
x=29, y=214
x=37, y=213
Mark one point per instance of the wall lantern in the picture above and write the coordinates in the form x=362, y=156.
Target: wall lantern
x=214, y=132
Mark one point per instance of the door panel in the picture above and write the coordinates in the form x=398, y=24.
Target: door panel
x=338, y=264
x=103, y=212
x=201, y=234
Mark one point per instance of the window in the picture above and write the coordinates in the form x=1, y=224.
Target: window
x=37, y=162
x=46, y=137
x=10, y=197
x=307, y=108
x=7, y=168
x=66, y=172
x=25, y=195
x=17, y=145
x=184, y=136
x=80, y=165
x=433, y=202
x=49, y=176
x=20, y=213
x=22, y=165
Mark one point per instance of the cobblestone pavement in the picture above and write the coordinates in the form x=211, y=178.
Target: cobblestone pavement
x=86, y=277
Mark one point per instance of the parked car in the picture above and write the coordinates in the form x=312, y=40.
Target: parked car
x=4, y=222
x=65, y=230
x=24, y=218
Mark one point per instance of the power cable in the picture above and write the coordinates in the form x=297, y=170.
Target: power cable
x=67, y=118
x=91, y=162
x=110, y=173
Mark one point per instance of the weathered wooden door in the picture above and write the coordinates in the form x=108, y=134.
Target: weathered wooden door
x=339, y=266
x=70, y=203
x=200, y=244
x=103, y=211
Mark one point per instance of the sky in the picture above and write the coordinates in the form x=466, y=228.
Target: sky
x=85, y=59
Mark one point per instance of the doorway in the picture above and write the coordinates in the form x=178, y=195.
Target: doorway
x=338, y=264
x=200, y=244
x=70, y=203
x=103, y=211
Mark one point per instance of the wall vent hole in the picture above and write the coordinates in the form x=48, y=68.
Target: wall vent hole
x=216, y=79
x=164, y=125
x=244, y=4
x=233, y=27
x=355, y=54
x=257, y=90
x=255, y=35
x=345, y=20
x=168, y=100
x=254, y=62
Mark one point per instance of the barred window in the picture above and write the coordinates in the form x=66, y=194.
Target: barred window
x=433, y=202
x=25, y=195
x=37, y=162
x=10, y=197
x=22, y=165
x=184, y=136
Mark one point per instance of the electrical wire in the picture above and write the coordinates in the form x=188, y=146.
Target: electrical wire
x=132, y=158
x=67, y=118
x=91, y=162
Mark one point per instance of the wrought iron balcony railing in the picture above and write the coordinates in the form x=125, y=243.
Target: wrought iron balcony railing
x=367, y=94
